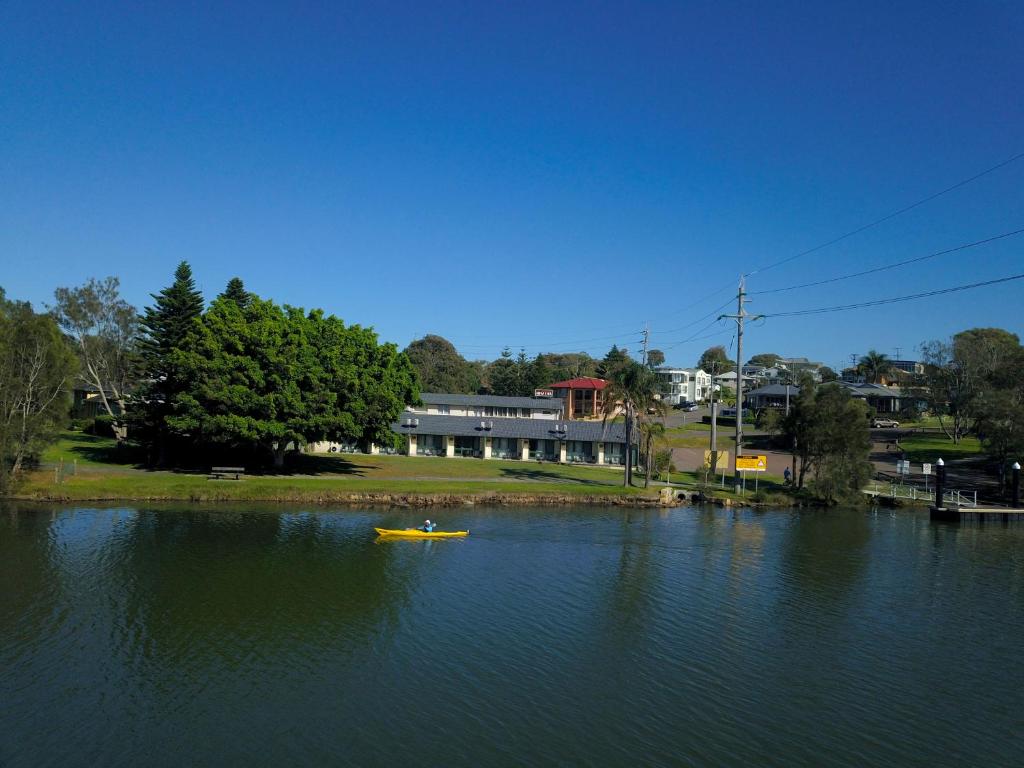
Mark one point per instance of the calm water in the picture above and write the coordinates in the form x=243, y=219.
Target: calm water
x=589, y=636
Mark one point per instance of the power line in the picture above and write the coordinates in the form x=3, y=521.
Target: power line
x=887, y=217
x=879, y=302
x=904, y=263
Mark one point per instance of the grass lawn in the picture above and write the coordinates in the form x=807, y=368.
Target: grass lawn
x=309, y=478
x=88, y=451
x=696, y=436
x=930, y=446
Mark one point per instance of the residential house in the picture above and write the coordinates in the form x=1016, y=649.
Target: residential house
x=881, y=398
x=770, y=396
x=86, y=402
x=683, y=384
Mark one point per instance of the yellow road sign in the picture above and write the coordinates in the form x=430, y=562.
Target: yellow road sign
x=721, y=462
x=751, y=463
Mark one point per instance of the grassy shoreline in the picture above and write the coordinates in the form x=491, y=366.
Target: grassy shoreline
x=81, y=467
x=84, y=468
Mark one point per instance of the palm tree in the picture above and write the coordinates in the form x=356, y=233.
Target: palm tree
x=633, y=388
x=873, y=366
x=651, y=430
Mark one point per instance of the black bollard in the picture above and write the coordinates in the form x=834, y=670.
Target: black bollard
x=940, y=480
x=1015, y=484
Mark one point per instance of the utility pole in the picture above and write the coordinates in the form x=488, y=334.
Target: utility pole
x=713, y=464
x=739, y=317
x=647, y=333
x=898, y=350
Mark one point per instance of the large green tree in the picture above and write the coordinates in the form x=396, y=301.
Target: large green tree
x=266, y=377
x=104, y=330
x=562, y=366
x=715, y=361
x=829, y=431
x=765, y=360
x=166, y=326
x=440, y=366
x=37, y=369
x=503, y=375
x=614, y=360
x=963, y=374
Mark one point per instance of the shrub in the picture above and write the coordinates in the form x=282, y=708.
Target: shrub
x=103, y=426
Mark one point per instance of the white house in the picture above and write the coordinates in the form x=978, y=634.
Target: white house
x=683, y=384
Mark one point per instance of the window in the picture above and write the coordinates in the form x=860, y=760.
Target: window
x=444, y=410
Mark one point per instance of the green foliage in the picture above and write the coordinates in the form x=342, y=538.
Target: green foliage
x=769, y=420
x=441, y=368
x=827, y=374
x=104, y=330
x=655, y=357
x=102, y=426
x=715, y=361
x=975, y=381
x=765, y=360
x=663, y=461
x=634, y=389
x=166, y=326
x=830, y=431
x=559, y=367
x=37, y=368
x=873, y=366
x=614, y=360
x=265, y=377
x=235, y=291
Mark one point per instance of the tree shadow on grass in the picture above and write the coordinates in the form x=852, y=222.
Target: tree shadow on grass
x=101, y=450
x=548, y=476
x=305, y=464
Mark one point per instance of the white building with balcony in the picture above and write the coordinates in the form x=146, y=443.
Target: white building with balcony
x=683, y=384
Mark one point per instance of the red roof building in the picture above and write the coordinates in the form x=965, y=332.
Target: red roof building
x=584, y=397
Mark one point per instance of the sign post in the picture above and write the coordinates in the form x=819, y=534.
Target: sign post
x=756, y=464
x=926, y=470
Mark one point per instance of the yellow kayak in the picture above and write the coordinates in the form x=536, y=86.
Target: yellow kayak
x=416, y=533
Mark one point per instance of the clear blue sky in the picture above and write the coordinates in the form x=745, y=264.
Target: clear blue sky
x=542, y=175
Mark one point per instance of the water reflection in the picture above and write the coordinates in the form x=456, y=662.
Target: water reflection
x=224, y=636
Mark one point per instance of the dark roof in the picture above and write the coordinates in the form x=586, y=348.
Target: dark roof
x=529, y=429
x=870, y=390
x=584, y=382
x=440, y=398
x=774, y=390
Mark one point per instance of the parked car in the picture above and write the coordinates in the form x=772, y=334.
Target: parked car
x=685, y=405
x=884, y=423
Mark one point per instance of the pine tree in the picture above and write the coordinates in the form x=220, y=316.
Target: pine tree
x=166, y=326
x=235, y=291
x=167, y=322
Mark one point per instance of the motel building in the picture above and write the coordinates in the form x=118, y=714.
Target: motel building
x=493, y=427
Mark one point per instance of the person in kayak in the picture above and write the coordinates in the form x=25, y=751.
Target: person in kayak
x=427, y=526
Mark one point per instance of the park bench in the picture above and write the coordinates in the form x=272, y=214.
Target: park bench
x=226, y=473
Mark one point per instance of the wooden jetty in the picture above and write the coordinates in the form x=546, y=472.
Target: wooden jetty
x=977, y=514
